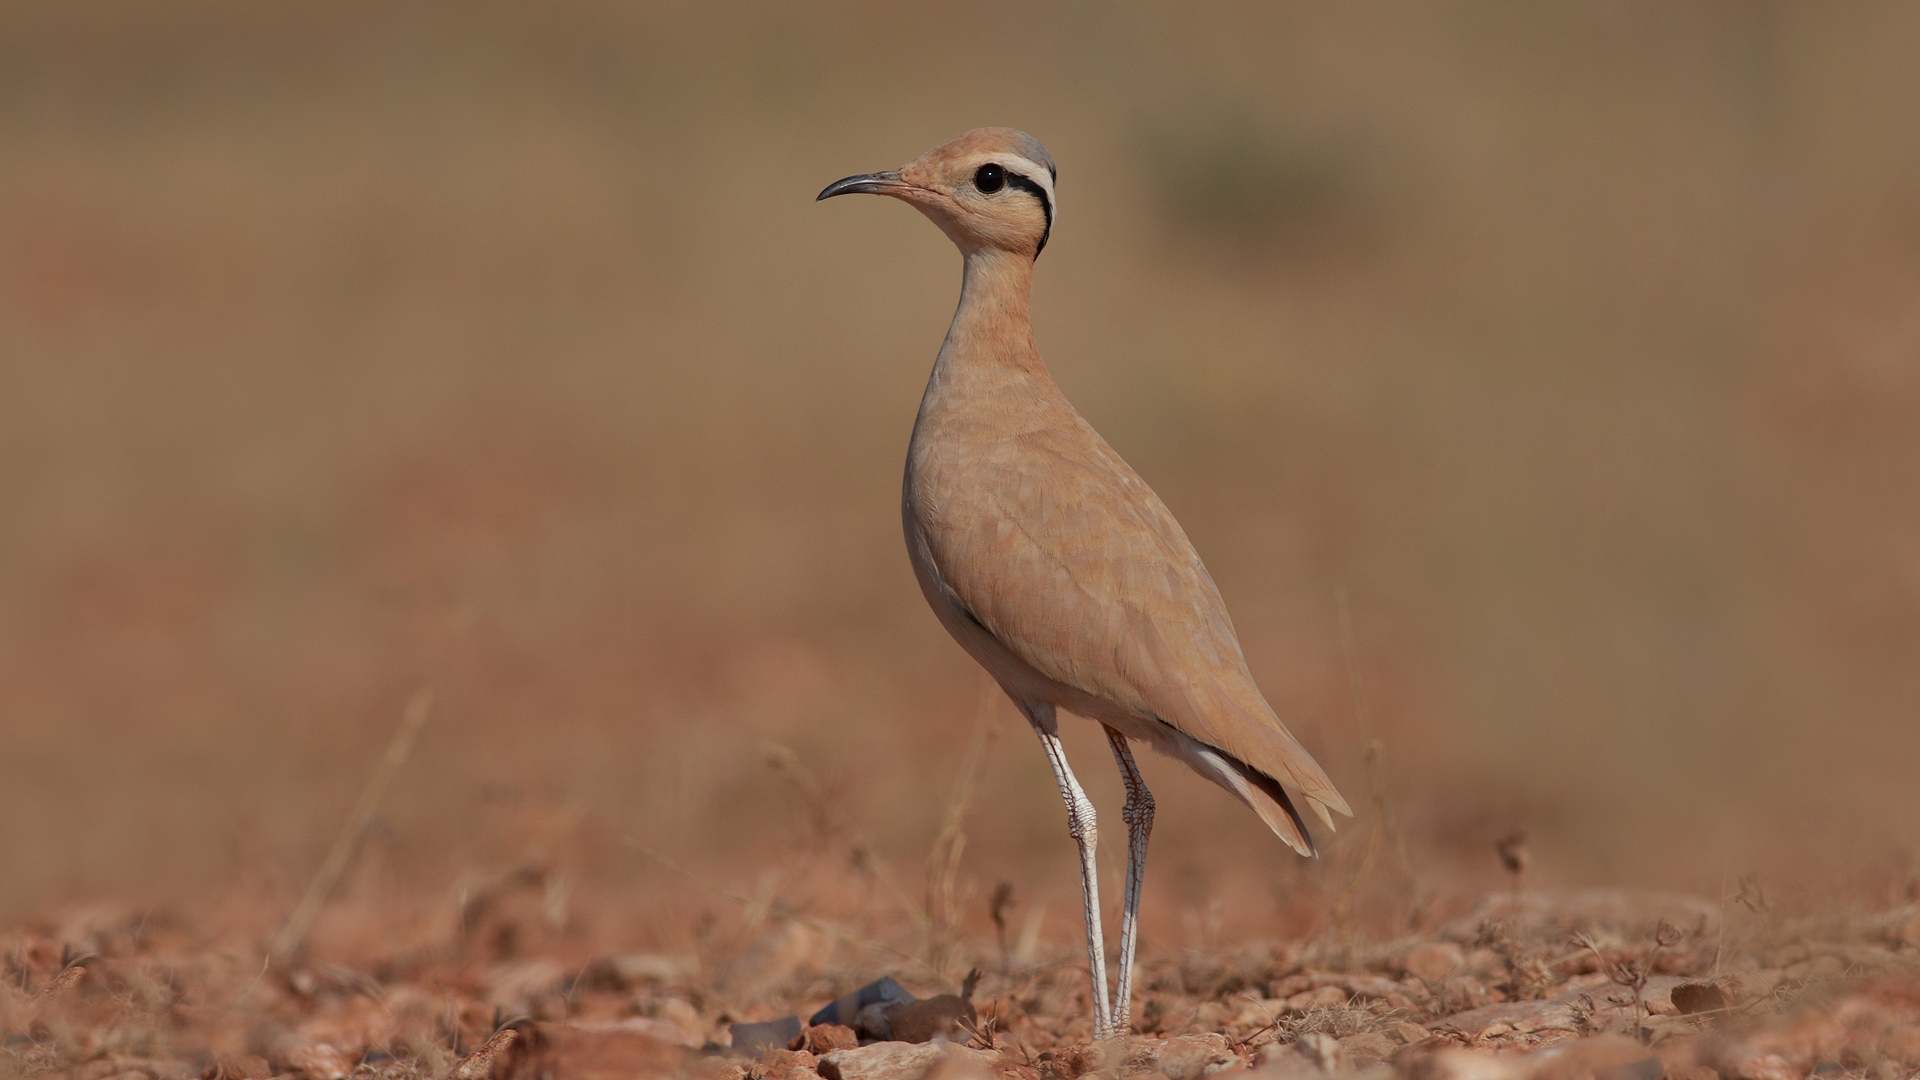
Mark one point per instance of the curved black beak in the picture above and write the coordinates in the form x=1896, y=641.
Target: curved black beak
x=879, y=183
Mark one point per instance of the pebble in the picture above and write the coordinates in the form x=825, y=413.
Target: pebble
x=1367, y=1048
x=906, y=1061
x=787, y=1065
x=1183, y=1057
x=1434, y=961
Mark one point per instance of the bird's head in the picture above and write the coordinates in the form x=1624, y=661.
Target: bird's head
x=990, y=189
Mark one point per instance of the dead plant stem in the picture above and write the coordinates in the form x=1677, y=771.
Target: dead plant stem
x=1384, y=824
x=943, y=860
x=294, y=933
x=743, y=901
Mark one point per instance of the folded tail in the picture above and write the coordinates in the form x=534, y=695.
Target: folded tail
x=1262, y=793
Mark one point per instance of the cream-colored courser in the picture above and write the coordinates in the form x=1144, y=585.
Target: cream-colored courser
x=1051, y=562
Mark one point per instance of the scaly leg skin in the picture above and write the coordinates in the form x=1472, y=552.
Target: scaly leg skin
x=1138, y=814
x=1081, y=824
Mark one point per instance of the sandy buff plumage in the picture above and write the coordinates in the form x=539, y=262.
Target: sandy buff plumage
x=1050, y=561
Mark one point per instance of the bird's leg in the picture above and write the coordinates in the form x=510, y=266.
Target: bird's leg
x=1138, y=814
x=1081, y=824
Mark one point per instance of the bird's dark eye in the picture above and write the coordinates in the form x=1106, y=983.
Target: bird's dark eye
x=990, y=178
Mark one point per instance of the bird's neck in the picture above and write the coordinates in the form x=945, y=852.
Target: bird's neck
x=993, y=326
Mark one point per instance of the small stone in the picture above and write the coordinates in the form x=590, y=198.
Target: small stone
x=127, y=1069
x=1183, y=1057
x=237, y=1067
x=1323, y=1051
x=1079, y=1059
x=1606, y=1057
x=1910, y=932
x=1434, y=961
x=1327, y=997
x=1274, y=1057
x=825, y=1038
x=1461, y=1065
x=1293, y=1060
x=787, y=1065
x=1366, y=1048
x=1409, y=1032
x=635, y=969
x=1258, y=1014
x=962, y=1067
x=321, y=1061
x=684, y=1018
x=602, y=1052
x=1760, y=1067
x=1657, y=994
x=905, y=1061
x=1212, y=1015
x=1694, y=997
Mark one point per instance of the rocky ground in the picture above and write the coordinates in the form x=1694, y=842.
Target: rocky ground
x=1609, y=985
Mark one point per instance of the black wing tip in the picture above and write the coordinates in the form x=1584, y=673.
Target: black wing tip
x=1278, y=794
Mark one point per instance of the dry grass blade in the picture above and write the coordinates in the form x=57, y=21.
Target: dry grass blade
x=745, y=901
x=943, y=860
x=1384, y=824
x=288, y=941
x=827, y=825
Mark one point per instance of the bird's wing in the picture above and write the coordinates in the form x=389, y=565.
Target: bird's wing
x=1066, y=556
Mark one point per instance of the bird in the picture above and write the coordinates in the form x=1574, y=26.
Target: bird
x=1053, y=564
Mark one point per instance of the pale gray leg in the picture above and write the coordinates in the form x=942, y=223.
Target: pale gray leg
x=1138, y=814
x=1081, y=824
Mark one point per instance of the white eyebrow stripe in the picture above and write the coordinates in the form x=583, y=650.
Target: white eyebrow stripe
x=1037, y=173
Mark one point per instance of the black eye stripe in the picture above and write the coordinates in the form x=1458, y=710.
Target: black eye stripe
x=1017, y=180
x=990, y=178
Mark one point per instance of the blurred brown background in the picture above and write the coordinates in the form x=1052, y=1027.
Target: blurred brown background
x=347, y=349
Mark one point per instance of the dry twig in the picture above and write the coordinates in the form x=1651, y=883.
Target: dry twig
x=744, y=901
x=827, y=824
x=1384, y=824
x=943, y=861
x=288, y=941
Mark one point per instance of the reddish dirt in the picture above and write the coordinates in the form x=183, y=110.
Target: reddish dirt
x=1552, y=985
